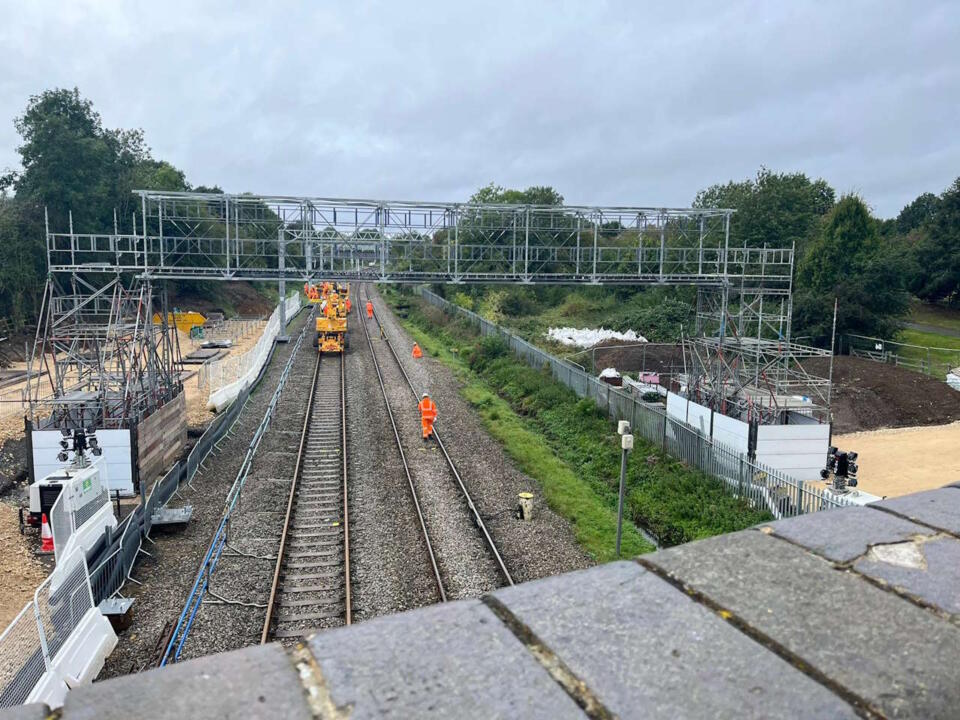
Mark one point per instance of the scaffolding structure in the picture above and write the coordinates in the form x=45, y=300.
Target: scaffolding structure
x=741, y=359
x=99, y=360
x=264, y=237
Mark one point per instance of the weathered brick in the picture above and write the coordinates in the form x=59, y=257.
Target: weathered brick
x=256, y=682
x=928, y=570
x=846, y=533
x=937, y=508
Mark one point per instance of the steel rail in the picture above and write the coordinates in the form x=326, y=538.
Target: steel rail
x=346, y=510
x=478, y=520
x=406, y=467
x=265, y=635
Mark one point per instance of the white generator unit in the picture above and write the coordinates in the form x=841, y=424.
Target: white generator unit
x=76, y=499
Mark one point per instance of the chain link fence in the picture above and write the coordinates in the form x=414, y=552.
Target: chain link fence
x=764, y=486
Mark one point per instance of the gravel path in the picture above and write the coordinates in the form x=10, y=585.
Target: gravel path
x=168, y=575
x=543, y=546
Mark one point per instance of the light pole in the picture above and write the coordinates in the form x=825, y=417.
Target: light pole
x=626, y=445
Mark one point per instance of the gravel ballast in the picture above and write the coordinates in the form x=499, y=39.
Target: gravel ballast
x=168, y=574
x=465, y=565
x=533, y=549
x=390, y=570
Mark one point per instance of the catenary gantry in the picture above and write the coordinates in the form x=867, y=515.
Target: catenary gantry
x=741, y=353
x=267, y=237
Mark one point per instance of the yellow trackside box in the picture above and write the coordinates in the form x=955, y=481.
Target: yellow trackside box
x=184, y=321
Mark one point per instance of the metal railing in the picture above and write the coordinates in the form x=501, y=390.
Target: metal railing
x=764, y=486
x=30, y=644
x=929, y=360
x=201, y=583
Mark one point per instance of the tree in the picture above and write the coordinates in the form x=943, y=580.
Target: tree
x=533, y=195
x=918, y=213
x=69, y=163
x=937, y=250
x=775, y=209
x=849, y=262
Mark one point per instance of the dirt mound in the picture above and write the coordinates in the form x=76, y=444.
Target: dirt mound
x=233, y=298
x=631, y=357
x=869, y=395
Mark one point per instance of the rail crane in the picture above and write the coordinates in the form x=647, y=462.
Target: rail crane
x=334, y=302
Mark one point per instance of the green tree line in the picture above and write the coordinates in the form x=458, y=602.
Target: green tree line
x=71, y=162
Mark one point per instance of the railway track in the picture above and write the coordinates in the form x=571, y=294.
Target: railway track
x=311, y=582
x=464, y=492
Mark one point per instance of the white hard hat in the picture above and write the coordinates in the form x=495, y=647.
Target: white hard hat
x=425, y=393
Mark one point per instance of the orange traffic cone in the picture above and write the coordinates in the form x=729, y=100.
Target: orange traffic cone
x=46, y=537
x=417, y=352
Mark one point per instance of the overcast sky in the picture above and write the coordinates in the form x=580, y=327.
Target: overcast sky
x=636, y=103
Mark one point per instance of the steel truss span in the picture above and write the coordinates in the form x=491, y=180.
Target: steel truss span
x=264, y=237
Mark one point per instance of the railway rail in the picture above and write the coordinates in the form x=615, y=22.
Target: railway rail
x=311, y=581
x=488, y=540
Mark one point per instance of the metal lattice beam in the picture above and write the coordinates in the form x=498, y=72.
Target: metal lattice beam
x=237, y=237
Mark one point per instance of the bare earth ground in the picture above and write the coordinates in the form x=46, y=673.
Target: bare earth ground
x=22, y=570
x=868, y=395
x=905, y=460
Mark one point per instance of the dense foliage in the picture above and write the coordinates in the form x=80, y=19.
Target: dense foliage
x=70, y=163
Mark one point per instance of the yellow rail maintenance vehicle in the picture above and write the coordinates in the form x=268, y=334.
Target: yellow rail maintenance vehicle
x=331, y=323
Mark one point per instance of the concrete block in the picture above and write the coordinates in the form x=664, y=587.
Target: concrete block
x=937, y=508
x=646, y=649
x=452, y=660
x=928, y=570
x=255, y=682
x=898, y=658
x=33, y=711
x=846, y=533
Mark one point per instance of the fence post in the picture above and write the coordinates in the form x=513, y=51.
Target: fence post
x=41, y=634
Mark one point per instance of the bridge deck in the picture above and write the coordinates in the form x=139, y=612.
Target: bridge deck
x=835, y=614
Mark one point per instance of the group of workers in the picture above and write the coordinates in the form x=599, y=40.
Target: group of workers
x=426, y=406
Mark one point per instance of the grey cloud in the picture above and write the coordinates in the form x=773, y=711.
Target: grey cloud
x=626, y=103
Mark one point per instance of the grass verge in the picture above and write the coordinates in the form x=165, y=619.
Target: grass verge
x=570, y=447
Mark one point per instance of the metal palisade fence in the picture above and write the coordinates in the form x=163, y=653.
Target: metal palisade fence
x=764, y=486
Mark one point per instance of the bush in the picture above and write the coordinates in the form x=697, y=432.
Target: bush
x=463, y=300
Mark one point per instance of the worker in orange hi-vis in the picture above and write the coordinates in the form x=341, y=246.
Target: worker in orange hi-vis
x=348, y=305
x=417, y=352
x=369, y=309
x=428, y=415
